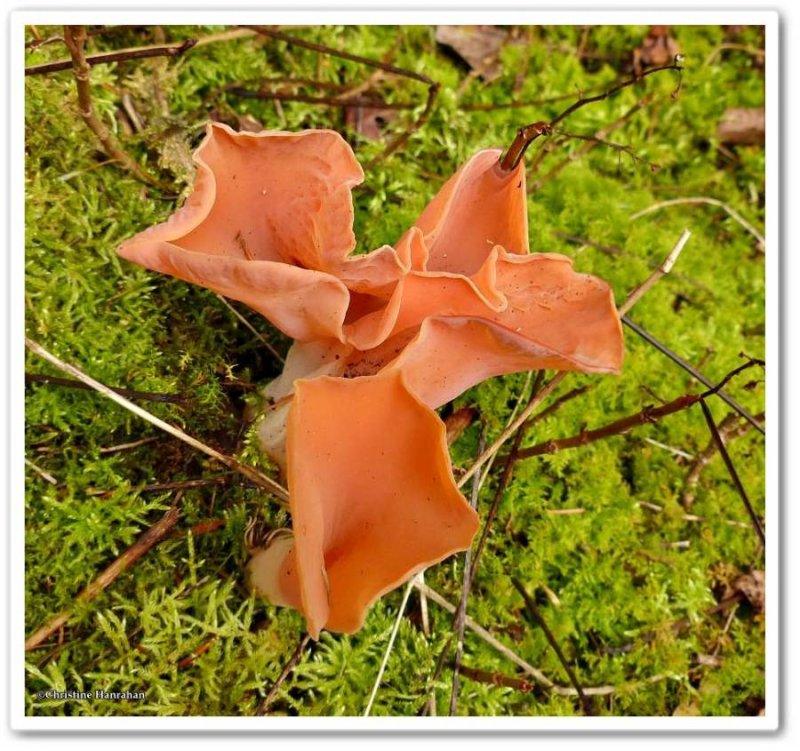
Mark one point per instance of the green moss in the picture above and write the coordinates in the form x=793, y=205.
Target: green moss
x=180, y=625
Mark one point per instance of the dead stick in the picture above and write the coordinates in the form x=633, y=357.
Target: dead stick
x=260, y=479
x=261, y=709
x=618, y=427
x=678, y=360
x=150, y=396
x=325, y=50
x=461, y=613
x=75, y=39
x=131, y=53
x=528, y=134
x=533, y=611
x=732, y=471
x=729, y=429
x=149, y=539
x=664, y=268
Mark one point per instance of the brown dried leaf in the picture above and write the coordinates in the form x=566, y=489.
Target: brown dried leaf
x=458, y=422
x=368, y=121
x=742, y=126
x=249, y=124
x=478, y=46
x=751, y=585
x=658, y=48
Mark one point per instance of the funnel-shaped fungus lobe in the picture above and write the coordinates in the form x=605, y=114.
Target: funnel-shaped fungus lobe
x=381, y=339
x=373, y=499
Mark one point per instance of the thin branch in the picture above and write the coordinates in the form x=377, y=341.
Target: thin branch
x=558, y=404
x=400, y=140
x=513, y=427
x=735, y=215
x=330, y=101
x=39, y=471
x=130, y=445
x=148, y=540
x=75, y=39
x=252, y=329
x=160, y=487
x=389, y=647
x=678, y=360
x=534, y=613
x=592, y=141
x=526, y=135
x=290, y=665
x=732, y=471
x=325, y=50
x=614, y=251
x=647, y=415
x=756, y=52
x=260, y=479
x=461, y=613
x=729, y=429
x=690, y=517
x=601, y=141
x=664, y=268
x=526, y=667
x=118, y=56
x=149, y=396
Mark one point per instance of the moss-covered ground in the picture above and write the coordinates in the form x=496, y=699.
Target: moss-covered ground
x=625, y=587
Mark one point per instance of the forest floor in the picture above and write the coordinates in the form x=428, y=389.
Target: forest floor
x=636, y=549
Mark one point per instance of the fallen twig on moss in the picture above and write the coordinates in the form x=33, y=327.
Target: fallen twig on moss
x=118, y=56
x=732, y=471
x=75, y=39
x=735, y=215
x=260, y=479
x=730, y=428
x=148, y=540
x=528, y=134
x=534, y=613
x=290, y=665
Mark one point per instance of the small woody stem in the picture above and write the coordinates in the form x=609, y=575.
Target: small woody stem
x=75, y=39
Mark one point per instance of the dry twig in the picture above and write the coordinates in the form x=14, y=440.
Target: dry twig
x=735, y=215
x=148, y=540
x=131, y=53
x=290, y=665
x=260, y=479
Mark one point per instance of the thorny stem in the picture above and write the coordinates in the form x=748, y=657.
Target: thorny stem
x=529, y=133
x=75, y=39
x=132, y=53
x=149, y=539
